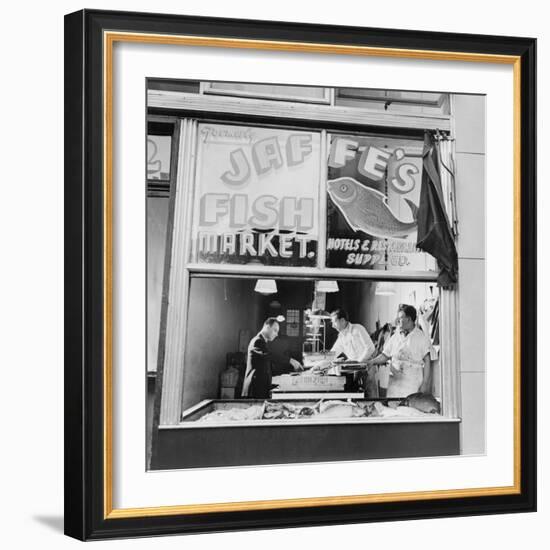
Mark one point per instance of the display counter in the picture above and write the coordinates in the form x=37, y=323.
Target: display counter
x=256, y=432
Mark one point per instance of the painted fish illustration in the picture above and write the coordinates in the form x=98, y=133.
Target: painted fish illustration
x=367, y=209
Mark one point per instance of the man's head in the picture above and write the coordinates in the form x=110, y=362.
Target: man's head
x=270, y=330
x=339, y=319
x=406, y=317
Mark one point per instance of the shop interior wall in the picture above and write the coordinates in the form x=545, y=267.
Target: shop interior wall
x=219, y=309
x=291, y=294
x=469, y=113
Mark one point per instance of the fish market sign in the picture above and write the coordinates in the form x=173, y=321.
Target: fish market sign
x=256, y=196
x=374, y=191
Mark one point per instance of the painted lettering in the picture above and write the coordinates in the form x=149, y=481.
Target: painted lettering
x=240, y=169
x=298, y=147
x=296, y=214
x=266, y=155
x=213, y=206
x=265, y=212
x=373, y=163
x=341, y=151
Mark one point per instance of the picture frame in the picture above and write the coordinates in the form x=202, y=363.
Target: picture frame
x=90, y=293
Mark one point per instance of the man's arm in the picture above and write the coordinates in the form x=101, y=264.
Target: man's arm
x=323, y=365
x=258, y=353
x=379, y=360
x=364, y=341
x=426, y=386
x=259, y=348
x=285, y=366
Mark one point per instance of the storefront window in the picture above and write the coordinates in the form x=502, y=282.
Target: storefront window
x=324, y=206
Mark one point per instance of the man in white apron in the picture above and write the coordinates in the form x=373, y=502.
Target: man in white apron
x=409, y=351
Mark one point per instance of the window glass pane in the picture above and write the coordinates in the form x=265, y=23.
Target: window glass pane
x=373, y=193
x=293, y=322
x=256, y=196
x=393, y=101
x=307, y=94
x=186, y=86
x=158, y=157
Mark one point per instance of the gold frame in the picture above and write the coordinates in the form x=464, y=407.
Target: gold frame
x=109, y=39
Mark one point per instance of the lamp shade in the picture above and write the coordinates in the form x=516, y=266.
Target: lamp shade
x=266, y=286
x=327, y=286
x=385, y=288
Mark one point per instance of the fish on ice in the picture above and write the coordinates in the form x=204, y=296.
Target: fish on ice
x=367, y=209
x=424, y=402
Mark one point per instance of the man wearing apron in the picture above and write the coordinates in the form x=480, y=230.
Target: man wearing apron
x=409, y=351
x=355, y=343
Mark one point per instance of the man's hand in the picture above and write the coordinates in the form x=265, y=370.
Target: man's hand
x=296, y=365
x=395, y=370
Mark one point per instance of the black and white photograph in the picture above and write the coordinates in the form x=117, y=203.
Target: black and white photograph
x=315, y=274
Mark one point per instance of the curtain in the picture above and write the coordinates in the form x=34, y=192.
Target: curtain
x=435, y=234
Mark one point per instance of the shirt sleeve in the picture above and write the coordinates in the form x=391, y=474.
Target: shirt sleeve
x=258, y=348
x=426, y=346
x=364, y=342
x=337, y=347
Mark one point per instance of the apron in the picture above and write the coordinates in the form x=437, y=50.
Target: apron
x=406, y=382
x=410, y=375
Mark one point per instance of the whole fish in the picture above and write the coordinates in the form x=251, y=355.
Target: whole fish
x=340, y=409
x=367, y=209
x=424, y=402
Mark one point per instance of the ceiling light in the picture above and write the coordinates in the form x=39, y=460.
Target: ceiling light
x=327, y=286
x=266, y=286
x=385, y=288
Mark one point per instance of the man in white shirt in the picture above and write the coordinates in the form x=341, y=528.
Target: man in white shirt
x=409, y=351
x=353, y=341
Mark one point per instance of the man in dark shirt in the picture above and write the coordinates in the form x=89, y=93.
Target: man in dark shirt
x=257, y=378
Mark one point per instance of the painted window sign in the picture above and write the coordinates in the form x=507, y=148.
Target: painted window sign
x=373, y=191
x=257, y=196
x=158, y=157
